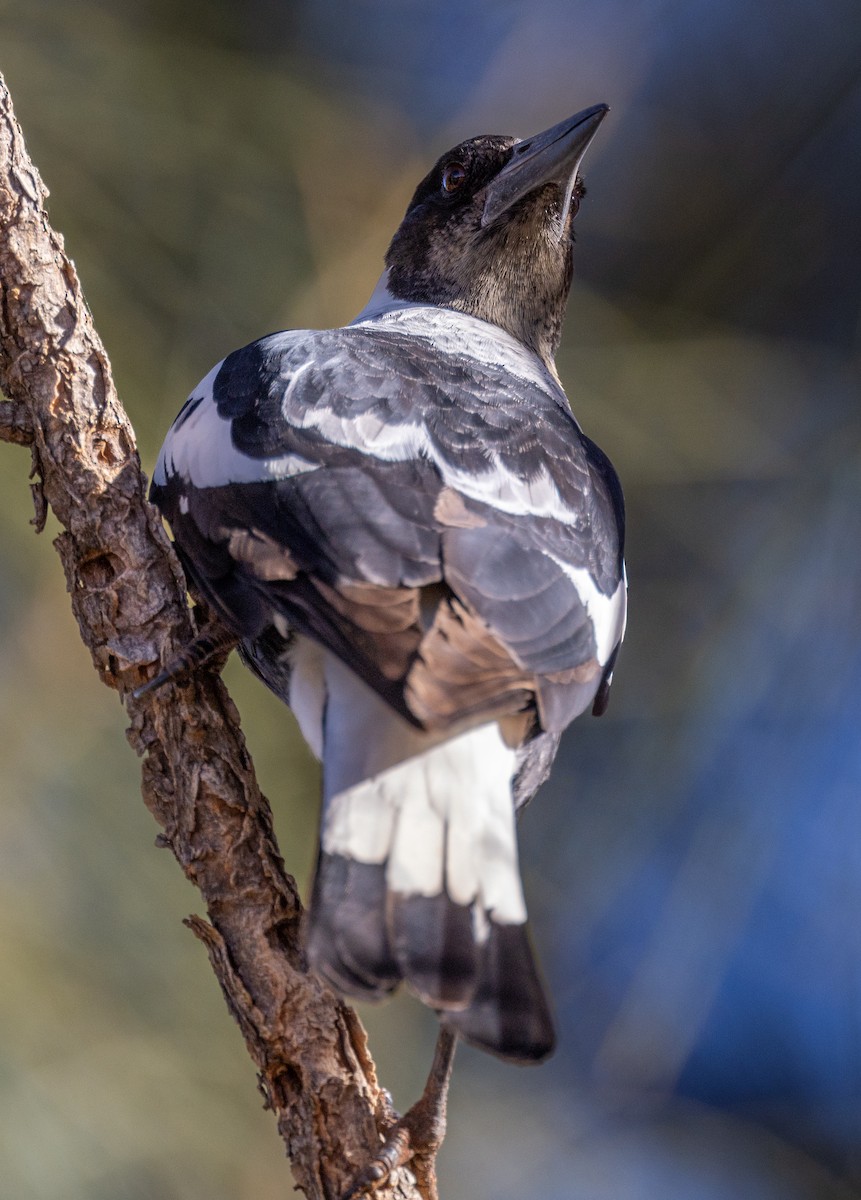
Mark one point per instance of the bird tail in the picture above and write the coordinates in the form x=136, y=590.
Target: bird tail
x=418, y=880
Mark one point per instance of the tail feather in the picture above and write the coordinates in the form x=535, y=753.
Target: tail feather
x=435, y=948
x=508, y=1014
x=348, y=940
x=418, y=878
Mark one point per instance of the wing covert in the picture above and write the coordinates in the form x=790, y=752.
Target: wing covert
x=437, y=521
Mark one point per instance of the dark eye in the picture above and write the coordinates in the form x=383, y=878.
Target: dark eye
x=453, y=177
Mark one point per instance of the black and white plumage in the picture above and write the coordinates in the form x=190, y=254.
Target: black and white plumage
x=421, y=553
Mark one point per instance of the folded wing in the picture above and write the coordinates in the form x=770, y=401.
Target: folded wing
x=439, y=523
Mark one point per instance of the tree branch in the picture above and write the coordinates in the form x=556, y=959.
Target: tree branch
x=128, y=595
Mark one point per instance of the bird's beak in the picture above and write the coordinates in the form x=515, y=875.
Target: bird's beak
x=550, y=157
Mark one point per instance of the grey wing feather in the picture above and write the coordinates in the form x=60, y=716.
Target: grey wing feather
x=345, y=554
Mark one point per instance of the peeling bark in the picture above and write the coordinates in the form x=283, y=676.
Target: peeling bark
x=129, y=598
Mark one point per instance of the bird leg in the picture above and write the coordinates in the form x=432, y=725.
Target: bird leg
x=212, y=639
x=418, y=1135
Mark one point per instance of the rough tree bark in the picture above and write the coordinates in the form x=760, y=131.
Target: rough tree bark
x=129, y=598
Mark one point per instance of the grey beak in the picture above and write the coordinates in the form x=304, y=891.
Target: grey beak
x=550, y=157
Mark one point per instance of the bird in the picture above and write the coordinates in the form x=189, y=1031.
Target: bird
x=411, y=541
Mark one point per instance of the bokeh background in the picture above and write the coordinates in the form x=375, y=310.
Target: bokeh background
x=693, y=869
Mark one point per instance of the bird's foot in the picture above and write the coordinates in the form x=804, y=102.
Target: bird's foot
x=211, y=641
x=418, y=1135
x=414, y=1140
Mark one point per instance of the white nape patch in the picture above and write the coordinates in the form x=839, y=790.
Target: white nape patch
x=307, y=694
x=201, y=449
x=607, y=613
x=438, y=811
x=380, y=301
x=461, y=334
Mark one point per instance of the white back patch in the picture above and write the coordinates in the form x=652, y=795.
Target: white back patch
x=457, y=333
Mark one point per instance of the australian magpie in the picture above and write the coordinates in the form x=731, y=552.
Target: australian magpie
x=413, y=543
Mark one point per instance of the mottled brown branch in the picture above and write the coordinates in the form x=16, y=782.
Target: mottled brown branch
x=129, y=598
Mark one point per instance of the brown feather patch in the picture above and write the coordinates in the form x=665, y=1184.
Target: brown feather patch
x=384, y=621
x=464, y=670
x=450, y=509
x=266, y=559
x=371, y=607
x=584, y=673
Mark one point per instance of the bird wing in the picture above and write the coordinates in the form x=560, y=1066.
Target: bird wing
x=436, y=520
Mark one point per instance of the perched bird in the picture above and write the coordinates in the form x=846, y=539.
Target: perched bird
x=416, y=547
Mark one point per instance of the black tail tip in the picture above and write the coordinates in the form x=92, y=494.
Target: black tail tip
x=509, y=1014
x=525, y=1041
x=346, y=940
x=364, y=939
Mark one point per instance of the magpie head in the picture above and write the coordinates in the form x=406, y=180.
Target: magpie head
x=489, y=230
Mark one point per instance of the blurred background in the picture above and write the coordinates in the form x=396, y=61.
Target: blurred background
x=694, y=867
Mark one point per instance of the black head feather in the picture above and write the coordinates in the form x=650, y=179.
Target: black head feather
x=514, y=272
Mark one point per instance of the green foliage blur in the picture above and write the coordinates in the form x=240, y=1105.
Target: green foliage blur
x=220, y=171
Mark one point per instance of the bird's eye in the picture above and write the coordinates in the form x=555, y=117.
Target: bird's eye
x=453, y=177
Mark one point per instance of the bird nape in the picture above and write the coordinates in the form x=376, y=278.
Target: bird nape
x=404, y=530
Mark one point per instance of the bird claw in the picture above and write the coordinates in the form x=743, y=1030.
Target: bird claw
x=396, y=1151
x=418, y=1135
x=212, y=640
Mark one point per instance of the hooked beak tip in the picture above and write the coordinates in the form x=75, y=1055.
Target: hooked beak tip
x=553, y=156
